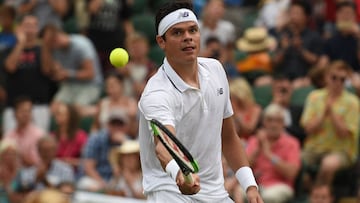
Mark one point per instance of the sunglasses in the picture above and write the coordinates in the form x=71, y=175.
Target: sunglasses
x=117, y=122
x=335, y=78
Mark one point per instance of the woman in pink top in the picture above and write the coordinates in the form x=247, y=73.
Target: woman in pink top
x=70, y=137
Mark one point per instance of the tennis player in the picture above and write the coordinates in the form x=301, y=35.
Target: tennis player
x=190, y=96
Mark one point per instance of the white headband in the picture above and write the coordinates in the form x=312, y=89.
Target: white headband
x=178, y=16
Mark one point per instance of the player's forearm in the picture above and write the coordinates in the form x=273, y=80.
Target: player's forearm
x=162, y=154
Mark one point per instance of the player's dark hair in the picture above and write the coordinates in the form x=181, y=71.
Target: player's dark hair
x=169, y=7
x=20, y=100
x=343, y=4
x=306, y=7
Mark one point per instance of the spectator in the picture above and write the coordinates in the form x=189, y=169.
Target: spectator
x=46, y=196
x=212, y=25
x=246, y=112
x=26, y=75
x=115, y=99
x=271, y=12
x=281, y=94
x=9, y=167
x=321, y=193
x=214, y=49
x=47, y=11
x=299, y=47
x=275, y=157
x=25, y=134
x=139, y=68
x=7, y=20
x=67, y=188
x=50, y=172
x=343, y=45
x=75, y=64
x=257, y=65
x=71, y=139
x=108, y=27
x=127, y=159
x=97, y=167
x=331, y=119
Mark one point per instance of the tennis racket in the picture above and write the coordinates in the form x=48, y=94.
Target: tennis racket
x=180, y=154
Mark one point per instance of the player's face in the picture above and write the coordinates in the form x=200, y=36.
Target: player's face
x=182, y=43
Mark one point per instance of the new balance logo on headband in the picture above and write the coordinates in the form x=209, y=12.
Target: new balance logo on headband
x=183, y=14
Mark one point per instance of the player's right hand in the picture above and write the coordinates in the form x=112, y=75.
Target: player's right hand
x=188, y=188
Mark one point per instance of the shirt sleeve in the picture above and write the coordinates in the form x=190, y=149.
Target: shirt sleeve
x=310, y=109
x=158, y=105
x=90, y=151
x=293, y=151
x=351, y=116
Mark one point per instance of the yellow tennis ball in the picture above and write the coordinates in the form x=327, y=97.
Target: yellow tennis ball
x=119, y=57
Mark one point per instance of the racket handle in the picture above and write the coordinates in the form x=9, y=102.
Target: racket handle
x=188, y=178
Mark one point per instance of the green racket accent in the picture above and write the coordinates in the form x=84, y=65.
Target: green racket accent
x=180, y=154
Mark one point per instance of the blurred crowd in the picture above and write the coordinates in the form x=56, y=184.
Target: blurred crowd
x=69, y=119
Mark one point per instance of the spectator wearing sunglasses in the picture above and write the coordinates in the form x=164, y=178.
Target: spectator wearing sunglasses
x=330, y=119
x=97, y=168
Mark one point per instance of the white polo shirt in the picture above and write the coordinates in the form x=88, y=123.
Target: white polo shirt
x=197, y=115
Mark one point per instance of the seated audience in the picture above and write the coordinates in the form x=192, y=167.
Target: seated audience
x=246, y=112
x=343, y=44
x=25, y=134
x=126, y=159
x=9, y=168
x=331, y=121
x=115, y=99
x=299, y=47
x=231, y=184
x=26, y=75
x=275, y=157
x=97, y=168
x=50, y=172
x=257, y=65
x=75, y=64
x=321, y=193
x=139, y=68
x=71, y=139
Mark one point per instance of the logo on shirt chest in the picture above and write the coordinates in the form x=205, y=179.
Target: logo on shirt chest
x=219, y=91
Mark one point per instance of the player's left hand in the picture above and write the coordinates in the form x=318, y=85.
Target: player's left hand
x=253, y=195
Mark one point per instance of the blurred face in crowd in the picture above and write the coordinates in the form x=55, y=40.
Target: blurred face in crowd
x=335, y=80
x=273, y=125
x=215, y=9
x=131, y=161
x=297, y=16
x=62, y=114
x=6, y=19
x=114, y=87
x=182, y=43
x=282, y=91
x=23, y=113
x=346, y=13
x=30, y=26
x=321, y=194
x=138, y=49
x=47, y=149
x=9, y=156
x=117, y=130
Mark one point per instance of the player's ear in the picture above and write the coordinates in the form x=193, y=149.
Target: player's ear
x=160, y=41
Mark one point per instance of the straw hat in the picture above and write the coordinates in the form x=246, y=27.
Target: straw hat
x=255, y=39
x=129, y=147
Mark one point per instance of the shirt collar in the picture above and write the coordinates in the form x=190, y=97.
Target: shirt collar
x=178, y=82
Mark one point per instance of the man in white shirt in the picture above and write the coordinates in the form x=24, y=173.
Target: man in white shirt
x=190, y=96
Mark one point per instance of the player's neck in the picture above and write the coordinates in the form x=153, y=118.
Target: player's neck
x=188, y=73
